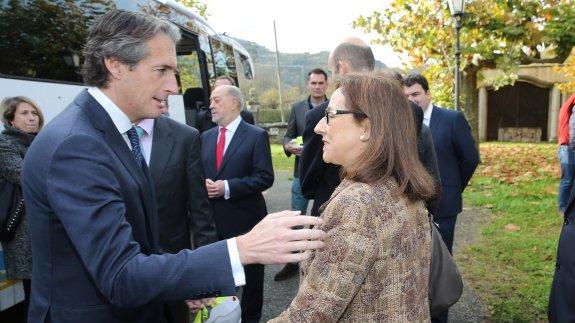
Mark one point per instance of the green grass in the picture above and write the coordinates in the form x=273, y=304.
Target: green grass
x=512, y=267
x=279, y=159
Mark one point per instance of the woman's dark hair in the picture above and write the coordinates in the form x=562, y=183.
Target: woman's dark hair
x=392, y=148
x=10, y=104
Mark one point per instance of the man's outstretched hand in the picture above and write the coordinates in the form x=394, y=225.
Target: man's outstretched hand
x=273, y=240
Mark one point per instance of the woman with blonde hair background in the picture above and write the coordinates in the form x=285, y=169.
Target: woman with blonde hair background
x=374, y=266
x=22, y=120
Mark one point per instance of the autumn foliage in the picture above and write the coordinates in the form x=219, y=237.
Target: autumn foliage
x=518, y=162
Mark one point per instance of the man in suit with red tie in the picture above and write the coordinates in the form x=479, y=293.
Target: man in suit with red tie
x=237, y=162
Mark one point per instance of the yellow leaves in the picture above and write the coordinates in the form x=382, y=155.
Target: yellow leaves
x=569, y=70
x=515, y=163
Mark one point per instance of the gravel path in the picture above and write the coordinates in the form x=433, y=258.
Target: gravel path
x=278, y=295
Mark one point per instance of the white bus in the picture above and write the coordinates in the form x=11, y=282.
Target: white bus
x=41, y=51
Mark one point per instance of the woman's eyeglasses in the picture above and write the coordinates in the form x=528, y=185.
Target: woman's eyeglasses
x=332, y=113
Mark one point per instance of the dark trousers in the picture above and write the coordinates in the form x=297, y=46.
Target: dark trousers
x=253, y=293
x=447, y=231
x=176, y=312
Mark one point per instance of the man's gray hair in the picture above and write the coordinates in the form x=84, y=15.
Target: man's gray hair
x=122, y=35
x=359, y=57
x=235, y=92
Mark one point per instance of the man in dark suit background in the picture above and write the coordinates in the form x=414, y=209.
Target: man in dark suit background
x=172, y=152
x=457, y=156
x=561, y=307
x=317, y=86
x=237, y=160
x=91, y=205
x=561, y=301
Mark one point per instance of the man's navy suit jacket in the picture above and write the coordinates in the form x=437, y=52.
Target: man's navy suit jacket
x=247, y=166
x=93, y=225
x=561, y=300
x=184, y=212
x=457, y=157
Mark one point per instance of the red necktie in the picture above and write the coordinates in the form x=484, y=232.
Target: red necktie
x=220, y=148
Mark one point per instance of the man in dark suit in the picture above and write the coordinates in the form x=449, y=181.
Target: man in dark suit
x=91, y=206
x=457, y=156
x=237, y=160
x=561, y=301
x=172, y=152
x=317, y=85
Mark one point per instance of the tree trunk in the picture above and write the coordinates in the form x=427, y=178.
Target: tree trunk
x=470, y=100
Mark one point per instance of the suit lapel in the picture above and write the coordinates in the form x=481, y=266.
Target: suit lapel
x=434, y=122
x=162, y=146
x=237, y=139
x=102, y=121
x=210, y=146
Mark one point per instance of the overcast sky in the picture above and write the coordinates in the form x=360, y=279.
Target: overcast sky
x=302, y=25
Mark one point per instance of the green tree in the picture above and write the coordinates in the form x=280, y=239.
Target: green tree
x=496, y=34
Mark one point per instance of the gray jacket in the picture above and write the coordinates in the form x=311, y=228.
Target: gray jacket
x=18, y=252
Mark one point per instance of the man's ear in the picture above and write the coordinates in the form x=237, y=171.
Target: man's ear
x=115, y=68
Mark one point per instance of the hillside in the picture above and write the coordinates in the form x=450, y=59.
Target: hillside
x=293, y=65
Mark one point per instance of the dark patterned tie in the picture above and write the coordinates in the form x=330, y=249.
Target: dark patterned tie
x=135, y=143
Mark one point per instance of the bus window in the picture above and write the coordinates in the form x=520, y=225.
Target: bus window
x=190, y=77
x=206, y=48
x=44, y=39
x=224, y=60
x=188, y=64
x=247, y=66
x=189, y=67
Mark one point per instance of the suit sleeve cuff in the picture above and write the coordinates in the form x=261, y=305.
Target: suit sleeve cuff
x=237, y=268
x=226, y=190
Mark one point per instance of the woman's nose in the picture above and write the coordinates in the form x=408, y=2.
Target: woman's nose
x=320, y=127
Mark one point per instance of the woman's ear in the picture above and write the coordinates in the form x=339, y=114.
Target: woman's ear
x=366, y=126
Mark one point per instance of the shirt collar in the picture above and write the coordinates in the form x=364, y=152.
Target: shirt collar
x=147, y=125
x=234, y=124
x=311, y=106
x=119, y=118
x=427, y=113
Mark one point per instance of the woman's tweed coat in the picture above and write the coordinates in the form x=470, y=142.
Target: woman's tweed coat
x=374, y=266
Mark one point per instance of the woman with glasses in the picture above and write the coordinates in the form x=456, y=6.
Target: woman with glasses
x=374, y=266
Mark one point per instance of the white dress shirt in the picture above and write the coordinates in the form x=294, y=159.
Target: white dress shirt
x=427, y=114
x=123, y=124
x=230, y=131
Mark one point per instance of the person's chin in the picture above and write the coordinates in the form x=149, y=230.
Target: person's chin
x=326, y=158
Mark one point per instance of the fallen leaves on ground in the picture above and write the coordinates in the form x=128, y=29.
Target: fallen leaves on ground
x=518, y=162
x=512, y=227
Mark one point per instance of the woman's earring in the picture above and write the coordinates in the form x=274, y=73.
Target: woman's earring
x=362, y=138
